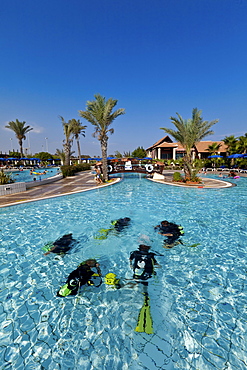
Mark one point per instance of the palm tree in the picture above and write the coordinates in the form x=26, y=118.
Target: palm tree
x=20, y=131
x=214, y=148
x=241, y=145
x=77, y=130
x=99, y=114
x=230, y=142
x=189, y=133
x=68, y=132
x=61, y=155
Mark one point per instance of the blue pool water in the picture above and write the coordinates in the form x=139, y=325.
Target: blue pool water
x=198, y=298
x=25, y=176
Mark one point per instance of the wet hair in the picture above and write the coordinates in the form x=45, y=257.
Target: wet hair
x=143, y=247
x=91, y=262
x=164, y=222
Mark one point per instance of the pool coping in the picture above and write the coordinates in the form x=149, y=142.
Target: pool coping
x=220, y=184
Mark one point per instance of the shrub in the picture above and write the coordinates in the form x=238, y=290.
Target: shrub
x=177, y=177
x=5, y=178
x=72, y=170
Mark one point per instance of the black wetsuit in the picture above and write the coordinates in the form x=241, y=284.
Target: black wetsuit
x=143, y=264
x=121, y=224
x=170, y=228
x=63, y=245
x=79, y=277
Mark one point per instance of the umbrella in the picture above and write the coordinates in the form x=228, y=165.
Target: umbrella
x=236, y=156
x=147, y=158
x=3, y=159
x=27, y=159
x=215, y=156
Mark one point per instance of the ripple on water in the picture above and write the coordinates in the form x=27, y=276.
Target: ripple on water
x=197, y=299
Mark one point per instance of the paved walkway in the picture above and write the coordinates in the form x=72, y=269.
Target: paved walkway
x=84, y=181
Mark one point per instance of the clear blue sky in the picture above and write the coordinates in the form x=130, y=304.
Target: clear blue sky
x=156, y=57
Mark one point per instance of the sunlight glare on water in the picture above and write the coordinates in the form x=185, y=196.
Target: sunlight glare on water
x=197, y=299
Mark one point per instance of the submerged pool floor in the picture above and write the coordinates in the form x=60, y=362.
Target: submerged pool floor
x=197, y=299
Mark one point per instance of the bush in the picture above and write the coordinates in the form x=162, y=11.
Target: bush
x=5, y=178
x=72, y=170
x=177, y=177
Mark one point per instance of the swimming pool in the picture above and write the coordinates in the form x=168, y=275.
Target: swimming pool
x=38, y=174
x=197, y=299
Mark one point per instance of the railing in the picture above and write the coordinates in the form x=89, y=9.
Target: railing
x=116, y=168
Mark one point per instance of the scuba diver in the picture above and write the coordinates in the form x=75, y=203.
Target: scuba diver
x=60, y=246
x=121, y=223
x=171, y=231
x=142, y=262
x=80, y=276
x=117, y=225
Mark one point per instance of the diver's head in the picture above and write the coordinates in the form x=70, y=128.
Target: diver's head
x=164, y=223
x=91, y=262
x=143, y=247
x=68, y=236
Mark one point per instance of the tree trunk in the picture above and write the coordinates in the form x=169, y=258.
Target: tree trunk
x=187, y=167
x=104, y=159
x=79, y=150
x=66, y=147
x=21, y=149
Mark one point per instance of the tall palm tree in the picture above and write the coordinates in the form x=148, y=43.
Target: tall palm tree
x=99, y=113
x=189, y=133
x=67, y=143
x=77, y=130
x=20, y=131
x=230, y=142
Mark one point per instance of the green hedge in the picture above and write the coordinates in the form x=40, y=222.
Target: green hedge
x=177, y=177
x=72, y=170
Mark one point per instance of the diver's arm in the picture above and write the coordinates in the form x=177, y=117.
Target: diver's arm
x=50, y=251
x=98, y=269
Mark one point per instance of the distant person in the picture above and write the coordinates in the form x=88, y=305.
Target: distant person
x=171, y=231
x=80, y=276
x=142, y=262
x=60, y=246
x=232, y=174
x=98, y=176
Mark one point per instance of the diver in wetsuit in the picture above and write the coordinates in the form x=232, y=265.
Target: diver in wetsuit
x=117, y=225
x=121, y=223
x=61, y=245
x=171, y=231
x=142, y=262
x=79, y=277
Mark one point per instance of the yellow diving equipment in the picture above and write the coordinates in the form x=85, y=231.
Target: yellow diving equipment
x=111, y=279
x=145, y=322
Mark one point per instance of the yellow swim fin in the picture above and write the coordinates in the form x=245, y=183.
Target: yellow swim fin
x=145, y=322
x=103, y=234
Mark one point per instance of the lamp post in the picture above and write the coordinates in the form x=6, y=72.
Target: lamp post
x=11, y=144
x=28, y=140
x=46, y=144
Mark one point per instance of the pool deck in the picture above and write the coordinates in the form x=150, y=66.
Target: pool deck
x=84, y=181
